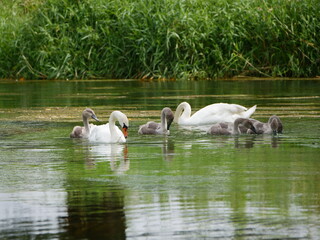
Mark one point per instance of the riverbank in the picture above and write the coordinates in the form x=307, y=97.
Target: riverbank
x=61, y=39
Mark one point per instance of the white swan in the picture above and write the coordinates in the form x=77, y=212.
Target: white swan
x=227, y=128
x=158, y=128
x=273, y=126
x=214, y=113
x=84, y=132
x=110, y=133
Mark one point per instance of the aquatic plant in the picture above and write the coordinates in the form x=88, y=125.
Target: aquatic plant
x=70, y=39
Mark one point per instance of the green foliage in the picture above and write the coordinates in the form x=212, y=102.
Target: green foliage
x=70, y=39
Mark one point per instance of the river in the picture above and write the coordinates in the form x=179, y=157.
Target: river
x=187, y=185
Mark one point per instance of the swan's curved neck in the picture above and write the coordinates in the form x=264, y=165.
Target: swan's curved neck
x=86, y=124
x=116, y=116
x=236, y=127
x=112, y=123
x=183, y=111
x=164, y=123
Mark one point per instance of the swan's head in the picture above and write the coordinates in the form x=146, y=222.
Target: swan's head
x=246, y=123
x=169, y=116
x=275, y=124
x=123, y=121
x=89, y=113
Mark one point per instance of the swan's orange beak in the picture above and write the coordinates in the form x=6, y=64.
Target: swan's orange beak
x=125, y=131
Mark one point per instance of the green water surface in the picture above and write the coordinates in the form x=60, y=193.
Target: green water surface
x=184, y=186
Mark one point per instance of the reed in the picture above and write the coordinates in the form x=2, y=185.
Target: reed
x=68, y=39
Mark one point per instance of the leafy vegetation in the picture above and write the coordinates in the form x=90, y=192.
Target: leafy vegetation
x=71, y=39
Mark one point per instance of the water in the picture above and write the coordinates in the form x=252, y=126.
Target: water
x=184, y=186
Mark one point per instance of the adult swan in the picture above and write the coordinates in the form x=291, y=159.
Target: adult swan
x=214, y=113
x=110, y=133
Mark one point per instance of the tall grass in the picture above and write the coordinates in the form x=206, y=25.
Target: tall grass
x=160, y=38
x=13, y=15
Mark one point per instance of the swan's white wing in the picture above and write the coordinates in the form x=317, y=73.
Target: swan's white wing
x=249, y=112
x=91, y=126
x=219, y=112
x=100, y=133
x=218, y=108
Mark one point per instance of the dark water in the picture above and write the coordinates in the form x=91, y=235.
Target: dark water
x=184, y=186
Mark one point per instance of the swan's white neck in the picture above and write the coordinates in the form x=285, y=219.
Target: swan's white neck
x=114, y=131
x=112, y=123
x=183, y=111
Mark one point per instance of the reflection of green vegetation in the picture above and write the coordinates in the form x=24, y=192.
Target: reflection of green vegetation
x=260, y=177
x=196, y=180
x=166, y=38
x=63, y=101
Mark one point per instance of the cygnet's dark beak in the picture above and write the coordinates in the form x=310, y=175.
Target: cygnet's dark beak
x=95, y=118
x=253, y=129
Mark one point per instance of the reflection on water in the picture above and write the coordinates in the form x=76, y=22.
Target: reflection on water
x=29, y=213
x=245, y=143
x=188, y=185
x=168, y=149
x=241, y=141
x=94, y=215
x=116, y=154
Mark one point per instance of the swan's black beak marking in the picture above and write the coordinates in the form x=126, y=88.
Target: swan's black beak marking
x=125, y=130
x=253, y=129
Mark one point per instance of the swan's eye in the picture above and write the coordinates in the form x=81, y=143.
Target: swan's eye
x=125, y=126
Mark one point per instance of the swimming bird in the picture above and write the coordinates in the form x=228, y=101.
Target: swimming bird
x=273, y=126
x=110, y=133
x=214, y=113
x=227, y=128
x=159, y=128
x=83, y=132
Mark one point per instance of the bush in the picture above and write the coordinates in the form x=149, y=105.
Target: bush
x=71, y=39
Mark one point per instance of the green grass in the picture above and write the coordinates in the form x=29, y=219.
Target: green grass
x=71, y=39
